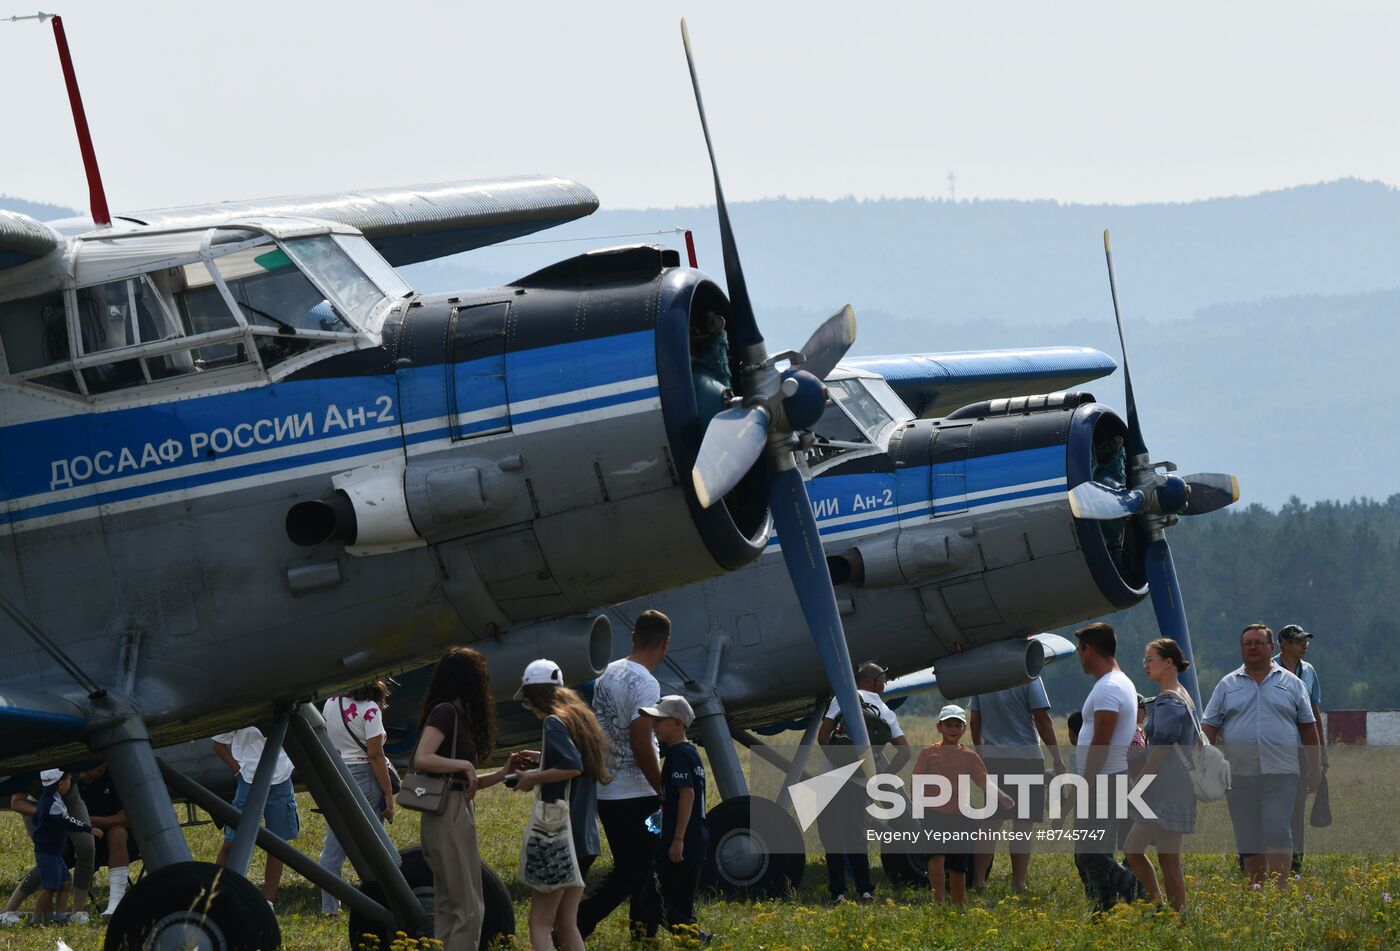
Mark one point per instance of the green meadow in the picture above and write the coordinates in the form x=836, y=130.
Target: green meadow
x=1349, y=896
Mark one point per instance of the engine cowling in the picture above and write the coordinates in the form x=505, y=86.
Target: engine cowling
x=549, y=430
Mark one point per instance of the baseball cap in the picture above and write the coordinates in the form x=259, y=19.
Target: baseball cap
x=1293, y=632
x=952, y=712
x=540, y=672
x=670, y=706
x=50, y=776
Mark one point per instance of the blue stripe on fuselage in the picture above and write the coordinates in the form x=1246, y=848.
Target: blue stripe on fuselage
x=844, y=503
x=170, y=445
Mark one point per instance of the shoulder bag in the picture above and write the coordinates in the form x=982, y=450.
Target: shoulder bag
x=395, y=783
x=1210, y=771
x=427, y=792
x=548, y=861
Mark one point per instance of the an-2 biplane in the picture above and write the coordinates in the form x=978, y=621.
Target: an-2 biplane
x=240, y=459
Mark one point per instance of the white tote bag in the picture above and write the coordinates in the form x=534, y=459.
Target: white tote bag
x=1208, y=770
x=548, y=861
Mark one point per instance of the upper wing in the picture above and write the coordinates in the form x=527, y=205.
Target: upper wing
x=935, y=384
x=412, y=223
x=22, y=239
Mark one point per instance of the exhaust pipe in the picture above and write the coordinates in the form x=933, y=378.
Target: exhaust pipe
x=990, y=667
x=580, y=645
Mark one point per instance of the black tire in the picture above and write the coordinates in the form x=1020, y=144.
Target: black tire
x=204, y=904
x=904, y=868
x=744, y=864
x=498, y=920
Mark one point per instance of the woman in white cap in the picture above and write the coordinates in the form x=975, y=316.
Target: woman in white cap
x=575, y=753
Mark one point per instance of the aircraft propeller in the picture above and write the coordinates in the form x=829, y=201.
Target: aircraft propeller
x=774, y=408
x=1156, y=498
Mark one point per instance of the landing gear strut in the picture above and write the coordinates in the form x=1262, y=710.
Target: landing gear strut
x=756, y=848
x=181, y=904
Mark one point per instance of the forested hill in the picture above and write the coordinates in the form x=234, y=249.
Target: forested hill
x=1331, y=567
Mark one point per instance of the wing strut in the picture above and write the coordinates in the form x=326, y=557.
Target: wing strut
x=95, y=692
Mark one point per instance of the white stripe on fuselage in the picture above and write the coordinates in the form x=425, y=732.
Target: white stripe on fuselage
x=17, y=506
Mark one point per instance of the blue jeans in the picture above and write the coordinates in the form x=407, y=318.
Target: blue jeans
x=333, y=853
x=280, y=813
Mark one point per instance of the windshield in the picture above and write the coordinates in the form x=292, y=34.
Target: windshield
x=273, y=293
x=327, y=261
x=865, y=409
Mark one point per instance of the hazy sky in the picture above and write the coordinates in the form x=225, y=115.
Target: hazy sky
x=1077, y=101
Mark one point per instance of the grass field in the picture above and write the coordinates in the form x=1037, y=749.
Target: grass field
x=1344, y=900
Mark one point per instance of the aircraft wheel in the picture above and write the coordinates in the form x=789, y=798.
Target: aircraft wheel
x=193, y=905
x=498, y=920
x=756, y=850
x=904, y=868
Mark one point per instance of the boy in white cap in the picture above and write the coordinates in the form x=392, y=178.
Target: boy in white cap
x=52, y=823
x=685, y=841
x=950, y=847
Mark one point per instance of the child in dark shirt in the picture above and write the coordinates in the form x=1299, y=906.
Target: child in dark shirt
x=684, y=838
x=52, y=823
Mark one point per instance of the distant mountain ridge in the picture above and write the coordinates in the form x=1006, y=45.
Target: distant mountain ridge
x=35, y=209
x=1015, y=262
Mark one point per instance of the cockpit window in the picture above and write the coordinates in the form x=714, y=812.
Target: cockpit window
x=274, y=294
x=872, y=418
x=854, y=421
x=324, y=257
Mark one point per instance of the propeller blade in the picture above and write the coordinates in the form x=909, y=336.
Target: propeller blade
x=825, y=348
x=733, y=442
x=806, y=565
x=1096, y=501
x=743, y=327
x=1211, y=491
x=1170, y=609
x=1135, y=443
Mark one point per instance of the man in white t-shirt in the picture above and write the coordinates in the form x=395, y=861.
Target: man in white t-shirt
x=883, y=727
x=1110, y=720
x=634, y=762
x=241, y=750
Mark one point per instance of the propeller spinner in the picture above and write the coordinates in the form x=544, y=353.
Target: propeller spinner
x=1155, y=496
x=773, y=408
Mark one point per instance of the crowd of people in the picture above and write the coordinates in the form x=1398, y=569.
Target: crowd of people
x=1265, y=715
x=603, y=764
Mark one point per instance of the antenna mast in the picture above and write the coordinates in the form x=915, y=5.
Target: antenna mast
x=97, y=197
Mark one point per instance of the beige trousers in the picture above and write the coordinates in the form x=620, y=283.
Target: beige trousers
x=449, y=845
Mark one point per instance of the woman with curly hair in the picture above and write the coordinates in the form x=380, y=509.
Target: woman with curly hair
x=575, y=753
x=456, y=731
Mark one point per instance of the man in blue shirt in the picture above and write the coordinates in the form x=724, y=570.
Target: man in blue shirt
x=684, y=839
x=1293, y=645
x=1260, y=713
x=1007, y=729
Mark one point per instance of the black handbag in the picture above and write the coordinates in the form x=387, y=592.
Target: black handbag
x=395, y=783
x=1321, y=816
